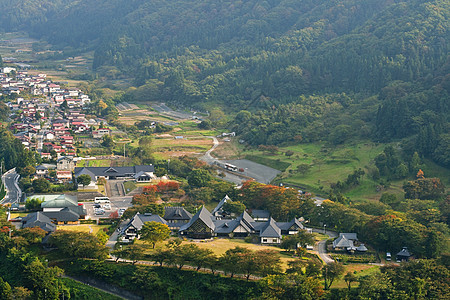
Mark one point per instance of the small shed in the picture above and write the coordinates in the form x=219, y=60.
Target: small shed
x=403, y=255
x=361, y=248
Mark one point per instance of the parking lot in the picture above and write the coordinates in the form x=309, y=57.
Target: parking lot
x=116, y=204
x=257, y=171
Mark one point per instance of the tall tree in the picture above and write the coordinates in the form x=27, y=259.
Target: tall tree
x=154, y=232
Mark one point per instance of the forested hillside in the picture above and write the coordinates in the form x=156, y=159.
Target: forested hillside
x=315, y=70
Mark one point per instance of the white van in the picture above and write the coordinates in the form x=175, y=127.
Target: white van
x=388, y=256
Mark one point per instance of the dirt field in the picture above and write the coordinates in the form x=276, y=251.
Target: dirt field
x=226, y=150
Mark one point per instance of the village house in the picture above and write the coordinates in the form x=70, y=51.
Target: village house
x=65, y=163
x=346, y=241
x=134, y=172
x=63, y=176
x=131, y=230
x=98, y=134
x=44, y=169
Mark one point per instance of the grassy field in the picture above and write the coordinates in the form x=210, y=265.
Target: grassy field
x=327, y=165
x=90, y=228
x=275, y=164
x=359, y=270
x=330, y=164
x=18, y=214
x=80, y=291
x=94, y=163
x=129, y=186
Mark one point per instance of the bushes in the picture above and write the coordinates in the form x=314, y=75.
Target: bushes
x=84, y=292
x=354, y=258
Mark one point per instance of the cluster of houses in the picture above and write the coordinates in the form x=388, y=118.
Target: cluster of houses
x=205, y=225
x=62, y=170
x=55, y=210
x=32, y=123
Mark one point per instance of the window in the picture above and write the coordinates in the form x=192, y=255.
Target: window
x=274, y=240
x=264, y=240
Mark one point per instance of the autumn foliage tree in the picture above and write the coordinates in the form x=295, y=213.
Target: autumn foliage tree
x=424, y=188
x=167, y=186
x=283, y=203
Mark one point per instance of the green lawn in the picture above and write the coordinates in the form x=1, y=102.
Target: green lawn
x=359, y=270
x=129, y=186
x=94, y=163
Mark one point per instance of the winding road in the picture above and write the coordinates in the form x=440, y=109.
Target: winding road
x=322, y=245
x=13, y=193
x=229, y=176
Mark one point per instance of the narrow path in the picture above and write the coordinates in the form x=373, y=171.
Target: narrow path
x=98, y=287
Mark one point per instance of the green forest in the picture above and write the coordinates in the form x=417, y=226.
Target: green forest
x=301, y=70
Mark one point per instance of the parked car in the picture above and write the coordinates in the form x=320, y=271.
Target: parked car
x=99, y=211
x=121, y=211
x=388, y=256
x=107, y=206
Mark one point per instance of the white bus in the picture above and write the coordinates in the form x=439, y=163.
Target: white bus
x=231, y=167
x=101, y=200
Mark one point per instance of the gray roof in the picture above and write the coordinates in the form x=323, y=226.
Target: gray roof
x=349, y=236
x=64, y=215
x=60, y=202
x=116, y=171
x=176, y=213
x=270, y=230
x=228, y=226
x=288, y=225
x=247, y=219
x=142, y=174
x=225, y=226
x=84, y=171
x=139, y=219
x=221, y=203
x=404, y=253
x=204, y=215
x=38, y=219
x=342, y=242
x=361, y=248
x=260, y=213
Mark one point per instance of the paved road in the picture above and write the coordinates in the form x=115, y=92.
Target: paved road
x=13, y=192
x=322, y=245
x=116, y=188
x=229, y=176
x=113, y=238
